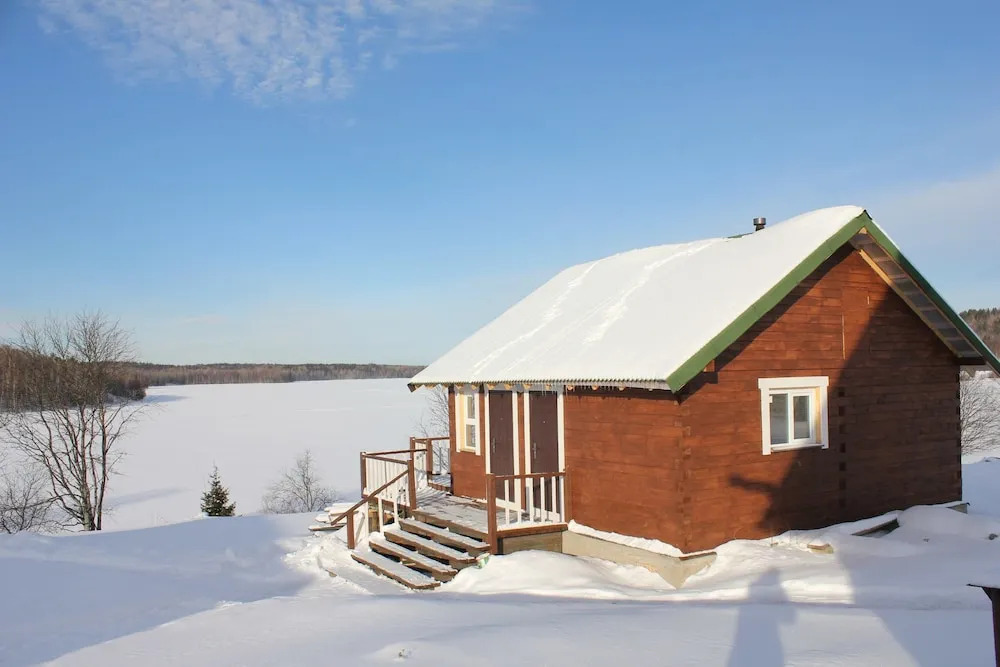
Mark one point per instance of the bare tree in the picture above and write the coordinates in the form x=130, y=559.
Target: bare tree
x=436, y=419
x=299, y=489
x=7, y=384
x=26, y=502
x=980, y=400
x=66, y=420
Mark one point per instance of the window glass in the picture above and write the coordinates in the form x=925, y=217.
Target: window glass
x=801, y=417
x=470, y=406
x=470, y=436
x=779, y=419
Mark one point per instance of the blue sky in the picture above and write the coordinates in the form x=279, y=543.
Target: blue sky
x=372, y=180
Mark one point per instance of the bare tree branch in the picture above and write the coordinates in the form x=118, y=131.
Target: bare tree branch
x=980, y=398
x=435, y=420
x=25, y=501
x=299, y=489
x=67, y=421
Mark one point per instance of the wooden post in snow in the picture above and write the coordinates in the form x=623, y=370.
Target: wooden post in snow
x=491, y=510
x=364, y=475
x=993, y=593
x=350, y=530
x=411, y=482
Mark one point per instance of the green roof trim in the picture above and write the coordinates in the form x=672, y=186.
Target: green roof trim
x=890, y=248
x=718, y=344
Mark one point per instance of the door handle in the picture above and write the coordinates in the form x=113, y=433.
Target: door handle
x=534, y=450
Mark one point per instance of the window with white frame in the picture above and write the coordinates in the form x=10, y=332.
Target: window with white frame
x=793, y=413
x=467, y=421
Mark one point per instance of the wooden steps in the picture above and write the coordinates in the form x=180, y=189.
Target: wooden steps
x=320, y=527
x=445, y=537
x=453, y=557
x=412, y=559
x=395, y=570
x=454, y=527
x=419, y=555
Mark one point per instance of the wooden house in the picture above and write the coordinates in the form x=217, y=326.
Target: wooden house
x=797, y=376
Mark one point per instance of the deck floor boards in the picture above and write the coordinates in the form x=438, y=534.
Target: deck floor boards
x=467, y=513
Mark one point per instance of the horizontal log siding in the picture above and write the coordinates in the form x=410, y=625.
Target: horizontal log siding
x=468, y=469
x=691, y=472
x=623, y=452
x=893, y=401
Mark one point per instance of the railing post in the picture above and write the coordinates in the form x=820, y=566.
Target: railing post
x=364, y=475
x=491, y=510
x=429, y=458
x=411, y=480
x=567, y=516
x=350, y=531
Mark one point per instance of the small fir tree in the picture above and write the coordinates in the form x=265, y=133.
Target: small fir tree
x=215, y=501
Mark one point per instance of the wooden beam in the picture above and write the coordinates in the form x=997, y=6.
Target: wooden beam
x=491, y=511
x=909, y=302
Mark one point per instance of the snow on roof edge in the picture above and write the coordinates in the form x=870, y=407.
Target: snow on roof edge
x=803, y=236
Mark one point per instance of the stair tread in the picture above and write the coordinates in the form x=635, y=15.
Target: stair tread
x=433, y=547
x=394, y=570
x=322, y=527
x=402, y=552
x=443, y=533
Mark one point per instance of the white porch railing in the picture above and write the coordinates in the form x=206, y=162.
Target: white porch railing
x=519, y=501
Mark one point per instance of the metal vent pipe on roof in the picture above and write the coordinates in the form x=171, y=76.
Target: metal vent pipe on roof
x=758, y=224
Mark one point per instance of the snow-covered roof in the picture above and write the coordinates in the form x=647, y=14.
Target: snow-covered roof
x=656, y=316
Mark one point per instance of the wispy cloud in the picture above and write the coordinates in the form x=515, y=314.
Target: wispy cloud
x=970, y=203
x=268, y=50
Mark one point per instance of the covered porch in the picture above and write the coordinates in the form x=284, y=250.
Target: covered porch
x=516, y=511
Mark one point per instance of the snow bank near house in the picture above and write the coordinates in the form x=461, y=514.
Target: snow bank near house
x=554, y=574
x=940, y=523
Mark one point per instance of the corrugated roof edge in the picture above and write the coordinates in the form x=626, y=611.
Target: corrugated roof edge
x=583, y=382
x=693, y=366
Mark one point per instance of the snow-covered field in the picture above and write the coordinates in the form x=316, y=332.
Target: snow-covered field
x=251, y=590
x=252, y=432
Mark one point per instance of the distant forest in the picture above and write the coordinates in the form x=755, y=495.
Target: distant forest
x=149, y=375
x=986, y=323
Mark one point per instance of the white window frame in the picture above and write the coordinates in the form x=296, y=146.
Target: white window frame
x=462, y=420
x=817, y=388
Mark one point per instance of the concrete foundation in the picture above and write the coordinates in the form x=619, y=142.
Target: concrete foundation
x=674, y=569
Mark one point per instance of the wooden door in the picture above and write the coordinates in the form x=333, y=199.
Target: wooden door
x=544, y=436
x=502, y=439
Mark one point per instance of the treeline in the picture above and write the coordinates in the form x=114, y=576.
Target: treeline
x=986, y=323
x=148, y=375
x=53, y=372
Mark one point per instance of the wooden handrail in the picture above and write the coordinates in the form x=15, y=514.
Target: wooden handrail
x=383, y=455
x=349, y=514
x=433, y=439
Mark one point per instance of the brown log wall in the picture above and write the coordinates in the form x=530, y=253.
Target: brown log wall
x=689, y=470
x=468, y=469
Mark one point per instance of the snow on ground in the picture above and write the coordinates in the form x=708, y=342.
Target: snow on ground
x=254, y=590
x=223, y=592
x=252, y=432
